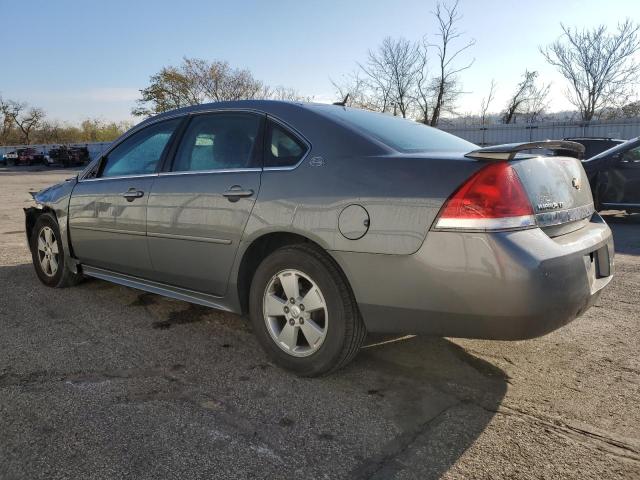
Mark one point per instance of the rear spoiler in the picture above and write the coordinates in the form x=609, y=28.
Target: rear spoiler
x=508, y=151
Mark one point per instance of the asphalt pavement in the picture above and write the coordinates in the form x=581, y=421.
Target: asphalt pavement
x=101, y=381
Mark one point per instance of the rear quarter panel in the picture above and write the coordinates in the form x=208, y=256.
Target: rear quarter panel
x=402, y=195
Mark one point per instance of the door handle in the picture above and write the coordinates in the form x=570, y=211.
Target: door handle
x=236, y=192
x=132, y=194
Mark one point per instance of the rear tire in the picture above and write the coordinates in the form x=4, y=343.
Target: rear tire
x=327, y=333
x=48, y=255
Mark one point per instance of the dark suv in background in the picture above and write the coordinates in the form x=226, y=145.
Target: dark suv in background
x=614, y=176
x=594, y=145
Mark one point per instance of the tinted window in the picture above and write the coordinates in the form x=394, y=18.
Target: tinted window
x=219, y=141
x=398, y=133
x=141, y=152
x=283, y=149
x=632, y=156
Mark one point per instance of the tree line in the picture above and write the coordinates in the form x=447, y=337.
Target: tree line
x=413, y=79
x=421, y=79
x=22, y=124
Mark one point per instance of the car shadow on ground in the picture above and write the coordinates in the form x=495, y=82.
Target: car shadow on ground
x=411, y=406
x=626, y=231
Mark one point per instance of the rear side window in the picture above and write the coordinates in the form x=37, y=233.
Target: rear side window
x=400, y=134
x=283, y=148
x=141, y=152
x=219, y=141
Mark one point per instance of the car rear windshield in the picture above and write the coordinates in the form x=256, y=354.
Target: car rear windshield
x=398, y=133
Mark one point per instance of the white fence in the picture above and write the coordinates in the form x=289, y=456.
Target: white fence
x=95, y=149
x=512, y=133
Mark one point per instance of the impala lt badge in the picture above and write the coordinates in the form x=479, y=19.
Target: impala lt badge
x=549, y=205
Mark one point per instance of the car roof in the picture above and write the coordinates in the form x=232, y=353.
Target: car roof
x=267, y=106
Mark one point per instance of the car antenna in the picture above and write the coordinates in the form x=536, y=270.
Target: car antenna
x=343, y=102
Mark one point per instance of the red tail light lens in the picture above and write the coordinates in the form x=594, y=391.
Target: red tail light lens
x=492, y=199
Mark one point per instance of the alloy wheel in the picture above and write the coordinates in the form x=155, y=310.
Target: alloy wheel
x=295, y=313
x=48, y=251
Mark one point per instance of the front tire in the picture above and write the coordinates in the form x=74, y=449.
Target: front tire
x=47, y=252
x=303, y=311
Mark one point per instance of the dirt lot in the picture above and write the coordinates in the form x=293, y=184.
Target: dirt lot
x=102, y=381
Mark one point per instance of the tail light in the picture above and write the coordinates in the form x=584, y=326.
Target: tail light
x=492, y=199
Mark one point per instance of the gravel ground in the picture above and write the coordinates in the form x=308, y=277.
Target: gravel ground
x=102, y=381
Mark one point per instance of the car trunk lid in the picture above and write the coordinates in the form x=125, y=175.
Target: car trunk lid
x=557, y=187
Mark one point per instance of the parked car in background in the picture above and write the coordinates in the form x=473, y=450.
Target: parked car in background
x=11, y=157
x=593, y=145
x=323, y=222
x=47, y=160
x=28, y=156
x=614, y=176
x=69, y=156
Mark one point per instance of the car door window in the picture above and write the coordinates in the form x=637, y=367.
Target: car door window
x=283, y=149
x=632, y=156
x=219, y=141
x=141, y=152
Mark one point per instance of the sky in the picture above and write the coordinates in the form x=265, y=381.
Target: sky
x=80, y=59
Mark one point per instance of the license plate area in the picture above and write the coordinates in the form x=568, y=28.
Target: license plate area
x=598, y=265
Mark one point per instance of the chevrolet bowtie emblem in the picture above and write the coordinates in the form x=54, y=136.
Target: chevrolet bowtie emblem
x=575, y=183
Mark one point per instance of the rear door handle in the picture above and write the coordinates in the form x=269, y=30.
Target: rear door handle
x=236, y=192
x=132, y=194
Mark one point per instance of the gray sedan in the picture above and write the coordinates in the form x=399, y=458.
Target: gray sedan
x=323, y=222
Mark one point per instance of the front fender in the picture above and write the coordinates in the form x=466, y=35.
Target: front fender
x=55, y=200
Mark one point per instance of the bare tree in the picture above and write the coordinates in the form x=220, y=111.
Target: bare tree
x=423, y=84
x=486, y=102
x=392, y=71
x=356, y=90
x=284, y=93
x=7, y=121
x=537, y=103
x=600, y=67
x=24, y=117
x=446, y=82
x=518, y=101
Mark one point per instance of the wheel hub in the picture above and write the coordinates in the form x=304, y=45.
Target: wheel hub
x=295, y=313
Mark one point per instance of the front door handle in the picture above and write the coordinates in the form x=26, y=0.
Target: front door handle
x=132, y=194
x=236, y=192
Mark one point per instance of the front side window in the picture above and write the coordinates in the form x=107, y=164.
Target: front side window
x=140, y=153
x=219, y=141
x=282, y=148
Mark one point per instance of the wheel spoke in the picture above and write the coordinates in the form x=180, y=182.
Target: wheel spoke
x=290, y=284
x=53, y=264
x=312, y=332
x=312, y=300
x=289, y=336
x=46, y=265
x=273, y=306
x=47, y=235
x=54, y=247
x=41, y=244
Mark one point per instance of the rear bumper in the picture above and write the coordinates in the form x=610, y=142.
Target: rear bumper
x=507, y=285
